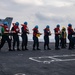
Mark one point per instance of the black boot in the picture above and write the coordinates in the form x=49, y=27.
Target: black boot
x=26, y=48
x=13, y=49
x=10, y=49
x=57, y=48
x=44, y=47
x=38, y=49
x=18, y=49
x=23, y=49
x=49, y=48
x=33, y=48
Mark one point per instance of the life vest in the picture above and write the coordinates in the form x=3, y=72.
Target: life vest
x=6, y=29
x=46, y=31
x=70, y=30
x=25, y=27
x=16, y=29
x=35, y=32
x=57, y=30
x=63, y=34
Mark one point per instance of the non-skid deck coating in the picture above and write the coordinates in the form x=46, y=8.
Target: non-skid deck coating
x=39, y=62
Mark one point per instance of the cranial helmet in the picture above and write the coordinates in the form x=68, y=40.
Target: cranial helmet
x=69, y=25
x=17, y=23
x=36, y=26
x=63, y=27
x=25, y=23
x=47, y=26
x=5, y=23
x=58, y=25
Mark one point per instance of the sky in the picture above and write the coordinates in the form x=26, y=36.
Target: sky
x=39, y=12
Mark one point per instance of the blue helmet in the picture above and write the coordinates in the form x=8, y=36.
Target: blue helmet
x=25, y=23
x=36, y=26
x=69, y=25
x=47, y=26
x=58, y=25
x=5, y=23
x=17, y=23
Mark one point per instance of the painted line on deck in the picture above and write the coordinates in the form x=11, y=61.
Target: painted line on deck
x=54, y=58
x=19, y=74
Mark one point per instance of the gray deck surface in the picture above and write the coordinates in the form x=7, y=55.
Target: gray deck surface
x=39, y=62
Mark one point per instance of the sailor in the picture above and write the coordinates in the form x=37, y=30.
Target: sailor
x=15, y=30
x=57, y=33
x=36, y=34
x=24, y=36
x=5, y=35
x=47, y=33
x=70, y=33
x=73, y=38
x=63, y=35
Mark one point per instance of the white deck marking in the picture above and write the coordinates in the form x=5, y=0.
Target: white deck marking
x=31, y=58
x=20, y=74
x=54, y=58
